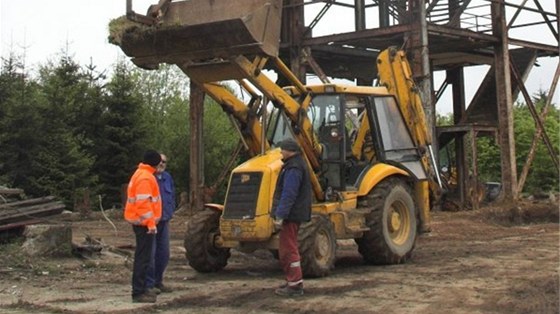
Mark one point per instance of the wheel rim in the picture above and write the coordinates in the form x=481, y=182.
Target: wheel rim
x=211, y=248
x=398, y=222
x=322, y=247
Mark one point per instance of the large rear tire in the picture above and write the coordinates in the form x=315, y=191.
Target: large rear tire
x=392, y=222
x=317, y=247
x=201, y=232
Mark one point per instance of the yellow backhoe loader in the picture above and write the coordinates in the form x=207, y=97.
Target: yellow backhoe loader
x=367, y=147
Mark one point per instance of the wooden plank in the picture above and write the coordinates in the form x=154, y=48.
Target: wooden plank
x=27, y=202
x=32, y=213
x=8, y=191
x=19, y=224
x=12, y=211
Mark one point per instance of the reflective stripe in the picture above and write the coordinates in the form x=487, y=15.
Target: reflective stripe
x=141, y=197
x=295, y=283
x=134, y=222
x=142, y=218
x=147, y=215
x=295, y=264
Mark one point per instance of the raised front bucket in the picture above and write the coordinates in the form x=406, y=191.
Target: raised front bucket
x=204, y=29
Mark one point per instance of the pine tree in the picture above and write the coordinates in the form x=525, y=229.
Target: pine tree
x=123, y=137
x=62, y=165
x=19, y=123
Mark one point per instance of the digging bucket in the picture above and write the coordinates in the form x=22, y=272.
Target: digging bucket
x=204, y=29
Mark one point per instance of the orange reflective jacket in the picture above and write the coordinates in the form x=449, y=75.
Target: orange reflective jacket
x=143, y=206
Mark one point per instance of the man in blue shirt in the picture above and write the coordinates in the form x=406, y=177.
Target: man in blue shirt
x=291, y=206
x=160, y=253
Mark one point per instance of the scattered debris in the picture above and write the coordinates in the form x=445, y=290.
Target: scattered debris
x=94, y=247
x=525, y=211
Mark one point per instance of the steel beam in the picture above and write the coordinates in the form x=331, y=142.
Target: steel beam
x=504, y=102
x=419, y=58
x=535, y=115
x=457, y=80
x=196, y=164
x=343, y=38
x=473, y=182
x=359, y=15
x=538, y=132
x=293, y=18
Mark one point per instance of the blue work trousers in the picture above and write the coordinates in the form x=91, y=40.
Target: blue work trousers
x=160, y=256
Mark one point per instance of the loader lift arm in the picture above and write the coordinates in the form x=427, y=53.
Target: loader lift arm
x=241, y=68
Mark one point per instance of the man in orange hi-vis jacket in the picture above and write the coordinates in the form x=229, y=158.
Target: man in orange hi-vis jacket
x=143, y=211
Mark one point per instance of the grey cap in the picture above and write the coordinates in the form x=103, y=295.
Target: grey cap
x=289, y=145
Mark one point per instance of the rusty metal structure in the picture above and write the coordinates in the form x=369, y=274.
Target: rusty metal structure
x=446, y=36
x=438, y=35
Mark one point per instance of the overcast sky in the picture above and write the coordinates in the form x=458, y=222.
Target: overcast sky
x=41, y=29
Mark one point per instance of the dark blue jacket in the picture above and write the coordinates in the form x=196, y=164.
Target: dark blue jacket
x=293, y=195
x=167, y=192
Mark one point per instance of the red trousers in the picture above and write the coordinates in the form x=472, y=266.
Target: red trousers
x=289, y=254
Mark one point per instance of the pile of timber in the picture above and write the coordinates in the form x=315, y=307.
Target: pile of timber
x=18, y=213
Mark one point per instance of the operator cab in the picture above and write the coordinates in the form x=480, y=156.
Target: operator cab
x=341, y=124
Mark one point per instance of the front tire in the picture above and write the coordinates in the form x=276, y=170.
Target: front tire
x=392, y=222
x=317, y=247
x=201, y=232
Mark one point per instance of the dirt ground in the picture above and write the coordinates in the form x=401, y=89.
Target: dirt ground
x=493, y=260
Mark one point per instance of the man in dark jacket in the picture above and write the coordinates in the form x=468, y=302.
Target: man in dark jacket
x=160, y=253
x=291, y=207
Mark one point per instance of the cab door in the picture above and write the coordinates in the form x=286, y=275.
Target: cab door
x=394, y=142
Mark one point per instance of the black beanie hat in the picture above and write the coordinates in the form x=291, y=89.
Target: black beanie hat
x=290, y=145
x=152, y=158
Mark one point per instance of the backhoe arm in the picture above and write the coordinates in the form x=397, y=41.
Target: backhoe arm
x=395, y=74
